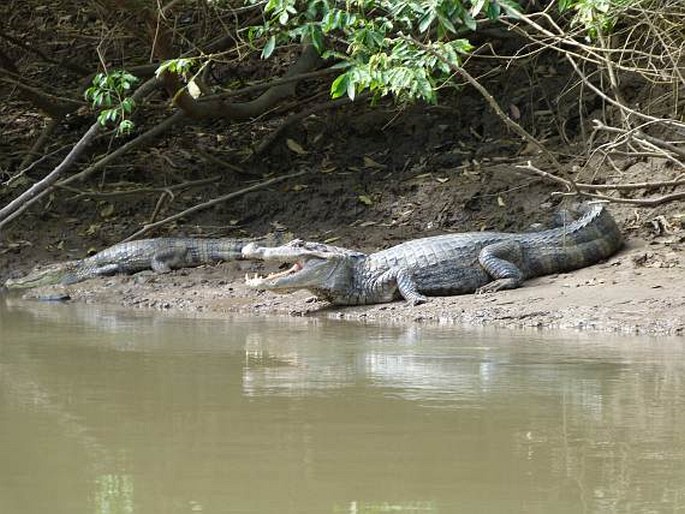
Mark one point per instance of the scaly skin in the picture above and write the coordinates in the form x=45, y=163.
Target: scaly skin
x=442, y=265
x=161, y=255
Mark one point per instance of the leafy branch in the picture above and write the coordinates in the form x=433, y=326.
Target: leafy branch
x=109, y=93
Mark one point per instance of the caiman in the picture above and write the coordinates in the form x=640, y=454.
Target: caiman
x=452, y=264
x=160, y=255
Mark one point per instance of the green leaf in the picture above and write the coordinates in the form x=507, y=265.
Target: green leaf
x=339, y=86
x=365, y=199
x=426, y=20
x=446, y=24
x=165, y=66
x=125, y=127
x=463, y=46
x=316, y=37
x=564, y=5
x=468, y=21
x=351, y=90
x=477, y=7
x=127, y=105
x=493, y=10
x=512, y=8
x=269, y=47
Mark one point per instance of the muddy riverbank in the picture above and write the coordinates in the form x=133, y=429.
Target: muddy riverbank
x=641, y=290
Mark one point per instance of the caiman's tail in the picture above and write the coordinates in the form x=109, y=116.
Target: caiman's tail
x=591, y=238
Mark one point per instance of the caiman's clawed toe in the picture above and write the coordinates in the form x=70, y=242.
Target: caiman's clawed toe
x=482, y=262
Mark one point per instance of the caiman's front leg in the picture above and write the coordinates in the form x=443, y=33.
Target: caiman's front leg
x=499, y=261
x=401, y=280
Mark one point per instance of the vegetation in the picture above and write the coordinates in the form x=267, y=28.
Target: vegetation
x=620, y=61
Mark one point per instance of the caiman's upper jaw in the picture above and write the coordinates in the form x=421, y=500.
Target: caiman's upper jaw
x=295, y=250
x=300, y=274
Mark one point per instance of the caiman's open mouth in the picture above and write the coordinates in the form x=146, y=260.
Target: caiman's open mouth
x=258, y=280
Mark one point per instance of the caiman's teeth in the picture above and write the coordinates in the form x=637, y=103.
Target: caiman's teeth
x=258, y=280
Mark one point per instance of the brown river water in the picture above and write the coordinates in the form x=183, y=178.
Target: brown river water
x=118, y=412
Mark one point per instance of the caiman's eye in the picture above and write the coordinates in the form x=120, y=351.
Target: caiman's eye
x=297, y=243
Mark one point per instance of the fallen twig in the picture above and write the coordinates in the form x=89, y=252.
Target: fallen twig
x=260, y=185
x=138, y=191
x=155, y=131
x=577, y=189
x=28, y=197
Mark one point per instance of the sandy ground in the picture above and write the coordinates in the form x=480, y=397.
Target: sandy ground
x=641, y=290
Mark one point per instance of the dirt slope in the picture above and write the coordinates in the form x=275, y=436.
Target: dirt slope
x=640, y=290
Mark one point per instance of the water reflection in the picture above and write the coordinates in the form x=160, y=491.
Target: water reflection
x=122, y=412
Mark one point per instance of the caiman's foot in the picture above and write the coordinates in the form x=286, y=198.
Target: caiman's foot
x=498, y=285
x=417, y=300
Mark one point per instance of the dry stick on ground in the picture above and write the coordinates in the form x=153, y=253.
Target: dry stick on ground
x=42, y=140
x=145, y=137
x=35, y=163
x=206, y=156
x=139, y=191
x=215, y=201
x=573, y=190
x=637, y=133
x=650, y=146
x=24, y=200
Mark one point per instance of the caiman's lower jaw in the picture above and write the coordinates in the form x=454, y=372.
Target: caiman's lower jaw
x=257, y=280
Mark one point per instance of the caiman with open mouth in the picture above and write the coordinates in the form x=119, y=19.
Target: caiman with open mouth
x=452, y=264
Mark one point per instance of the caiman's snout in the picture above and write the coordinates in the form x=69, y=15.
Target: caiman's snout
x=251, y=251
x=254, y=251
x=314, y=265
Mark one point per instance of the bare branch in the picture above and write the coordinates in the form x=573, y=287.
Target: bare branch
x=211, y=203
x=23, y=201
x=577, y=189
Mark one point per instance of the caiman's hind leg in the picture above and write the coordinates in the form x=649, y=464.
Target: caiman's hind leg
x=499, y=261
x=163, y=261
